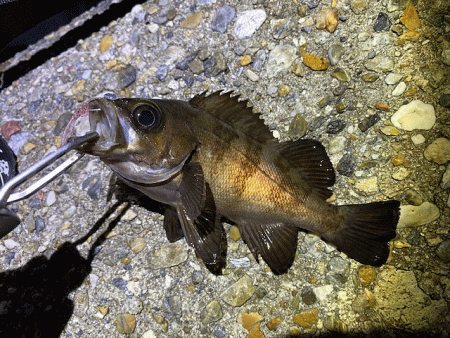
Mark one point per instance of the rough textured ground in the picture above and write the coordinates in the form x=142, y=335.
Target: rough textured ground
x=82, y=266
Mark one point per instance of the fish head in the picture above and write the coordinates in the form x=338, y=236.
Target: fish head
x=144, y=141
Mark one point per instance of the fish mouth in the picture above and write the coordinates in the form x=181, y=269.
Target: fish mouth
x=104, y=120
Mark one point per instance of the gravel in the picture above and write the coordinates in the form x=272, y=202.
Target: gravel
x=88, y=265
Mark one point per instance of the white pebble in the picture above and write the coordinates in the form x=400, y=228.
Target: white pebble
x=51, y=198
x=400, y=89
x=10, y=244
x=418, y=139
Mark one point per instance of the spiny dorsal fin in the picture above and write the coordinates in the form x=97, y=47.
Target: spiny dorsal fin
x=236, y=113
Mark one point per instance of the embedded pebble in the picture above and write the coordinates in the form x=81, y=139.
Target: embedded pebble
x=358, y=6
x=239, y=292
x=369, y=77
x=445, y=182
x=211, y=313
x=172, y=307
x=393, y=78
x=363, y=301
x=192, y=21
x=410, y=18
x=280, y=59
x=367, y=185
x=335, y=127
x=68, y=213
x=337, y=145
x=39, y=224
x=308, y=296
x=335, y=53
x=10, y=128
x=443, y=251
x=390, y=131
x=127, y=76
x=327, y=18
x=223, y=18
x=414, y=115
x=438, y=151
x=418, y=139
x=259, y=59
x=323, y=292
x=315, y=62
x=413, y=216
x=445, y=56
x=444, y=100
x=126, y=323
x=400, y=174
x=298, y=126
x=167, y=255
x=382, y=23
x=341, y=74
x=400, y=89
x=105, y=43
x=10, y=243
x=380, y=64
x=248, y=22
x=366, y=274
x=138, y=245
x=346, y=165
x=248, y=320
x=338, y=269
x=251, y=75
x=306, y=318
x=368, y=122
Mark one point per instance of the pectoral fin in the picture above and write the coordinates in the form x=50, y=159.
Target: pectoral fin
x=276, y=243
x=192, y=189
x=206, y=234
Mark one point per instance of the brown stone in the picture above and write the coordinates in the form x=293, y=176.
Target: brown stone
x=192, y=21
x=306, y=318
x=106, y=42
x=248, y=320
x=126, y=323
x=245, y=60
x=234, y=233
x=398, y=159
x=315, y=62
x=255, y=331
x=327, y=18
x=10, y=128
x=382, y=106
x=366, y=274
x=410, y=18
x=271, y=325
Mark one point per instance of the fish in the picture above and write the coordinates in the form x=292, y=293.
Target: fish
x=212, y=159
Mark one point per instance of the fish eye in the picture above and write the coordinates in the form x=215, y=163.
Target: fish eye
x=146, y=116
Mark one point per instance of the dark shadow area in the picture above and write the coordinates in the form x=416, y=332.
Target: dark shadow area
x=46, y=25
x=34, y=298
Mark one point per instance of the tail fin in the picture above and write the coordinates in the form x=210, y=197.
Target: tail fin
x=366, y=230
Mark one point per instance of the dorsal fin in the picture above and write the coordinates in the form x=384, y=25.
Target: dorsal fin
x=312, y=165
x=236, y=113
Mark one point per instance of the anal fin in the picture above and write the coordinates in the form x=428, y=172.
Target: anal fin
x=172, y=225
x=276, y=243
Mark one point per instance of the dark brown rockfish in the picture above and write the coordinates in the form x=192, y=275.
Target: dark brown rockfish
x=212, y=157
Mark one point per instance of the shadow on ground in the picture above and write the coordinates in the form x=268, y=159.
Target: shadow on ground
x=34, y=298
